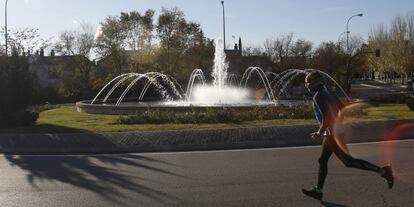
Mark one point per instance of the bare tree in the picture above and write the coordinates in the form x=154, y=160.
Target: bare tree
x=287, y=52
x=252, y=50
x=26, y=40
x=279, y=49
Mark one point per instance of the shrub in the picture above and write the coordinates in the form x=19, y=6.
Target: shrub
x=24, y=118
x=214, y=115
x=390, y=99
x=15, y=92
x=410, y=103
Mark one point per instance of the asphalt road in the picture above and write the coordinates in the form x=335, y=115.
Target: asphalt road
x=267, y=177
x=368, y=89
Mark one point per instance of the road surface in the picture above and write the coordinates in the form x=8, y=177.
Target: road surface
x=368, y=89
x=263, y=177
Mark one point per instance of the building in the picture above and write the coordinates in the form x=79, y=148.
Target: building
x=238, y=62
x=48, y=70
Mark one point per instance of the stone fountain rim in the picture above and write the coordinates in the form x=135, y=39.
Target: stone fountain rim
x=86, y=107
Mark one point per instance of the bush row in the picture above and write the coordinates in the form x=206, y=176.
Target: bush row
x=218, y=115
x=390, y=99
x=17, y=119
x=395, y=99
x=16, y=90
x=410, y=103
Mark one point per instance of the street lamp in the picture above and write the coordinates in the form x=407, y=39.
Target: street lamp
x=339, y=38
x=224, y=26
x=348, y=51
x=347, y=30
x=5, y=32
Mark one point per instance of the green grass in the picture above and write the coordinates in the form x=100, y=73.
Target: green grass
x=388, y=111
x=67, y=120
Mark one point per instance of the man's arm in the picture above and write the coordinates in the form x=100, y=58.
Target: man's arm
x=322, y=103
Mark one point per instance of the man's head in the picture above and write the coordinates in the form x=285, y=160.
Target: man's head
x=314, y=81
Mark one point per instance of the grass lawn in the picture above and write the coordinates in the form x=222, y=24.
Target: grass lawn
x=67, y=120
x=388, y=111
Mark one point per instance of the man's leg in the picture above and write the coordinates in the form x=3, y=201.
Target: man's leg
x=323, y=163
x=349, y=161
x=316, y=192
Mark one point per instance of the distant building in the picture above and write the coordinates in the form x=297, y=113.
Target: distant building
x=47, y=70
x=238, y=63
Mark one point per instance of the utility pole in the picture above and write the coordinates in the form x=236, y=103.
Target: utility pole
x=348, y=81
x=224, y=26
x=5, y=32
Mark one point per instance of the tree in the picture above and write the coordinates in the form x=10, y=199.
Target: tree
x=25, y=41
x=300, y=53
x=16, y=89
x=169, y=31
x=176, y=37
x=78, y=45
x=253, y=50
x=287, y=52
x=278, y=49
x=331, y=59
x=139, y=29
x=379, y=38
x=399, y=54
x=111, y=45
x=396, y=43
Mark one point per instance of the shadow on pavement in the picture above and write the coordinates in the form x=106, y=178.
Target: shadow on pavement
x=329, y=204
x=107, y=176
x=41, y=128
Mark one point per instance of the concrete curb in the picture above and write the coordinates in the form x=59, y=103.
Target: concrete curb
x=188, y=140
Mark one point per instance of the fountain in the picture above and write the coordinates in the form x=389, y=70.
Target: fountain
x=224, y=91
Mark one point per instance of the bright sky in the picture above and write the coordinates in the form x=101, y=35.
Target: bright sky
x=254, y=21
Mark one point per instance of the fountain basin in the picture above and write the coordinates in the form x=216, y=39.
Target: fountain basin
x=132, y=108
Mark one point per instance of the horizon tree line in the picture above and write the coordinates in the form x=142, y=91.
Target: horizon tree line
x=171, y=44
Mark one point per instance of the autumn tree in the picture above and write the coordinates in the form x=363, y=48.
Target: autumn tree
x=396, y=43
x=176, y=37
x=139, y=34
x=77, y=45
x=111, y=46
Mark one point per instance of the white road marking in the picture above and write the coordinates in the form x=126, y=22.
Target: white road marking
x=370, y=86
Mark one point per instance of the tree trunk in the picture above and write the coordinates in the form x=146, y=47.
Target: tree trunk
x=406, y=78
x=394, y=78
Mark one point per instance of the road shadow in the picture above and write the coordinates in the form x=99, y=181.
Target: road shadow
x=329, y=204
x=107, y=176
x=41, y=129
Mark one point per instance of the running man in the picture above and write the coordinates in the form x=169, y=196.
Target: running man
x=327, y=107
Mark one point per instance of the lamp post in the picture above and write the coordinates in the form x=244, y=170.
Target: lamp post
x=5, y=32
x=348, y=84
x=339, y=38
x=347, y=30
x=224, y=26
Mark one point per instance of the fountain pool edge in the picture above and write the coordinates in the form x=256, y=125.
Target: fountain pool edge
x=86, y=107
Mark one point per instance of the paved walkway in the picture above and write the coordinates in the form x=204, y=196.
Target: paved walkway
x=187, y=140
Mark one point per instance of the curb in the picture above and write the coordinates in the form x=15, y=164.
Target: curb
x=190, y=140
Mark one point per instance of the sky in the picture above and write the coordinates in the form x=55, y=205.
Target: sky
x=253, y=21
